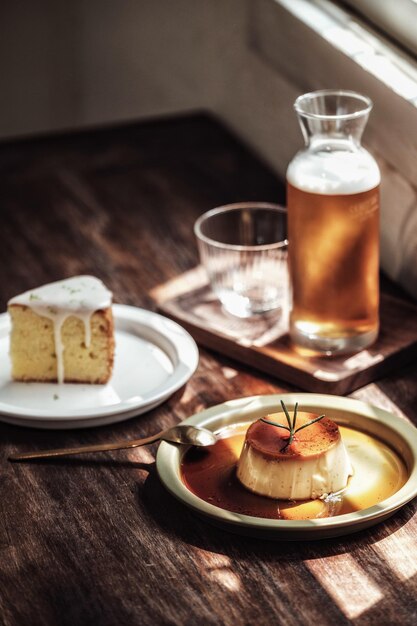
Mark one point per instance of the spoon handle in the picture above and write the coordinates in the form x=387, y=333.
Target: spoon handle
x=101, y=447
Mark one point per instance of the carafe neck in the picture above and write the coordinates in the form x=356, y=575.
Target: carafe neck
x=345, y=134
x=333, y=118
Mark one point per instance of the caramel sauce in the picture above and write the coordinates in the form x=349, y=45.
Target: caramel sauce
x=210, y=473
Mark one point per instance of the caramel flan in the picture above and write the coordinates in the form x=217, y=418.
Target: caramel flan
x=312, y=464
x=63, y=332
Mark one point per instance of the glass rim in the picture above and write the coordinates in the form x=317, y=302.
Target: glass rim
x=229, y=208
x=366, y=101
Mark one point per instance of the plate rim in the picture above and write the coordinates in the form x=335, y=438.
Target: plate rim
x=179, y=339
x=168, y=458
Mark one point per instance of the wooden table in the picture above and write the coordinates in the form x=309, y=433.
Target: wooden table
x=97, y=540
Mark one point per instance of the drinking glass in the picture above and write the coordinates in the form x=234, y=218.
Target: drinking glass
x=243, y=249
x=333, y=214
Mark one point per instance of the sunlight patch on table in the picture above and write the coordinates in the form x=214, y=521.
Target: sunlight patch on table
x=347, y=583
x=398, y=552
x=218, y=568
x=140, y=455
x=372, y=394
x=229, y=372
x=188, y=395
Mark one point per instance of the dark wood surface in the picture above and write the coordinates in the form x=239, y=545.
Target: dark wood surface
x=97, y=540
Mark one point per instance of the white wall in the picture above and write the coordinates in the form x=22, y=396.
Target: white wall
x=80, y=63
x=70, y=64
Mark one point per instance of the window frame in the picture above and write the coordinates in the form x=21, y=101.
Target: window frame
x=315, y=44
x=396, y=19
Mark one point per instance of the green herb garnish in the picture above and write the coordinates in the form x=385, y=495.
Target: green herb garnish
x=291, y=423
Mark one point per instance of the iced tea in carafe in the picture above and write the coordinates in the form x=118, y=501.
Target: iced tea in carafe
x=333, y=226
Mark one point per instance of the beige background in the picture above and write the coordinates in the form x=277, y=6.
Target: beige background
x=71, y=64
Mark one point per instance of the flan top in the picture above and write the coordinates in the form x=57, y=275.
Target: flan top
x=271, y=441
x=78, y=294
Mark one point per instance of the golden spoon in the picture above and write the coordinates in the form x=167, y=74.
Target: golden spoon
x=185, y=434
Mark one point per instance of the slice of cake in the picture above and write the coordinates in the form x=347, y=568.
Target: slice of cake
x=63, y=332
x=312, y=464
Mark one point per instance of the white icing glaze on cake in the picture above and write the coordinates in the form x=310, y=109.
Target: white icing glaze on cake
x=80, y=296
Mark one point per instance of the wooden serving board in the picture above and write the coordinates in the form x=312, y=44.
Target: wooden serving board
x=263, y=342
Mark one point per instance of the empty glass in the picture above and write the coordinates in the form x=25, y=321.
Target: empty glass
x=243, y=248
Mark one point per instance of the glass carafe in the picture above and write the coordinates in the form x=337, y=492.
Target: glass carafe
x=333, y=226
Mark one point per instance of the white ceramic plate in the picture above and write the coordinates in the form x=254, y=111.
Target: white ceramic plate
x=154, y=357
x=397, y=432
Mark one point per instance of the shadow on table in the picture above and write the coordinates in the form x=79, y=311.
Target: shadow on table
x=174, y=518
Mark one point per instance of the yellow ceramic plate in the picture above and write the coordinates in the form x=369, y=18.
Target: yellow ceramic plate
x=399, y=434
